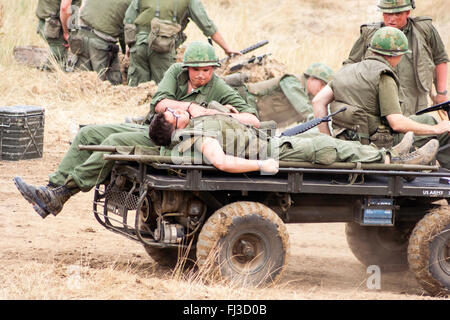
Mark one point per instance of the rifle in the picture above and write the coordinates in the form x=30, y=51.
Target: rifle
x=309, y=125
x=254, y=59
x=248, y=49
x=441, y=106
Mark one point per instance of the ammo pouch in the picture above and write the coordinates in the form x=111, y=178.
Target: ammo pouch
x=129, y=32
x=52, y=28
x=163, y=35
x=352, y=124
x=383, y=137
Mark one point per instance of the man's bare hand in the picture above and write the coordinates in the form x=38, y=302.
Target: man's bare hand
x=269, y=166
x=439, y=98
x=442, y=127
x=196, y=110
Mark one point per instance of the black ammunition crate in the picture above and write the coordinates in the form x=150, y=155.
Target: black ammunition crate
x=21, y=132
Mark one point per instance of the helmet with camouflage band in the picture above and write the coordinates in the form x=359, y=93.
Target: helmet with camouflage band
x=389, y=41
x=200, y=54
x=394, y=6
x=319, y=71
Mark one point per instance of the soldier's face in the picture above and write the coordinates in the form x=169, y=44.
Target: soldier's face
x=396, y=20
x=200, y=76
x=313, y=86
x=394, y=61
x=178, y=118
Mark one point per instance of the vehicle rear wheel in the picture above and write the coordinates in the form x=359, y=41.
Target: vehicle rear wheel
x=429, y=251
x=385, y=247
x=246, y=242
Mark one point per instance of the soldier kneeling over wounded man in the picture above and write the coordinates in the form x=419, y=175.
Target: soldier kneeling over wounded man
x=185, y=86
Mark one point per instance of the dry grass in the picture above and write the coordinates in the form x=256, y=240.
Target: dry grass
x=300, y=32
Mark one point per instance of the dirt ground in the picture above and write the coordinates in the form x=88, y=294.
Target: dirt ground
x=71, y=256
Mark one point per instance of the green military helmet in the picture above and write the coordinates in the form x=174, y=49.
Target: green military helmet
x=389, y=41
x=319, y=71
x=393, y=6
x=200, y=54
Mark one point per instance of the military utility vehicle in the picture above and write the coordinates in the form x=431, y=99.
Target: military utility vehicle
x=396, y=216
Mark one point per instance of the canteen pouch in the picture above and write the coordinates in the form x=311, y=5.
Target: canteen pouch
x=382, y=138
x=76, y=43
x=352, y=124
x=163, y=35
x=52, y=28
x=129, y=31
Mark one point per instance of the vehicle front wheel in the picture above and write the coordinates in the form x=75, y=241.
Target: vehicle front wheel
x=246, y=242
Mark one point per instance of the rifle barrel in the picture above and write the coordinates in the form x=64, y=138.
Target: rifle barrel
x=443, y=105
x=248, y=49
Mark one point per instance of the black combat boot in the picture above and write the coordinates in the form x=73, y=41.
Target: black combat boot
x=46, y=200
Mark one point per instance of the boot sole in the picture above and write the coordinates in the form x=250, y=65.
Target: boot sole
x=37, y=205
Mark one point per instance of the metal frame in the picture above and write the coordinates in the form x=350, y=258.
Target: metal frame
x=306, y=185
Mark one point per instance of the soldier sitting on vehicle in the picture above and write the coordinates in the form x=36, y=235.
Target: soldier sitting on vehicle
x=370, y=91
x=424, y=65
x=184, y=87
x=234, y=147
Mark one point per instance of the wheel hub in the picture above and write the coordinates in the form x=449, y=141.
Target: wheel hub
x=247, y=253
x=444, y=253
x=247, y=249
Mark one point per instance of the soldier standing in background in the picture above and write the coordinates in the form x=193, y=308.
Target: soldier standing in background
x=94, y=36
x=49, y=27
x=154, y=30
x=427, y=61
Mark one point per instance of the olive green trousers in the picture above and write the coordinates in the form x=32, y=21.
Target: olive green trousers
x=88, y=168
x=58, y=51
x=323, y=149
x=443, y=155
x=96, y=54
x=147, y=65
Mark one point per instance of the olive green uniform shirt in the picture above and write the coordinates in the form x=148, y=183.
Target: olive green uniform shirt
x=47, y=8
x=105, y=16
x=416, y=69
x=141, y=12
x=239, y=140
x=174, y=86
